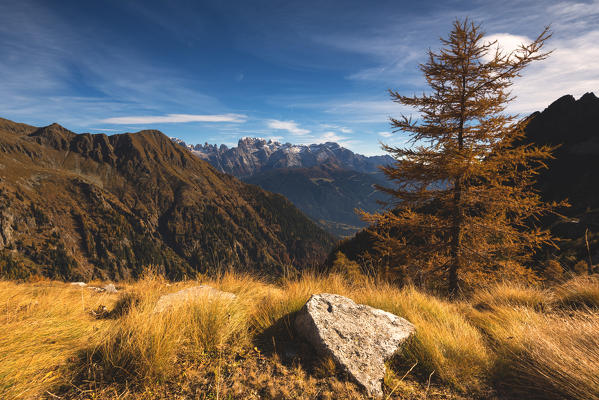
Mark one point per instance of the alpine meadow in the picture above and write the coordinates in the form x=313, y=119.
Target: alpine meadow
x=299, y=200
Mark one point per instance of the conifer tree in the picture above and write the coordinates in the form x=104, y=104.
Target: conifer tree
x=463, y=196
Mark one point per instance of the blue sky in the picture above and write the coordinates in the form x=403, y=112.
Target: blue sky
x=297, y=71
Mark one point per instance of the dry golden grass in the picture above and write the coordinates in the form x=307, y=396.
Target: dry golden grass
x=579, y=292
x=543, y=356
x=515, y=339
x=42, y=326
x=445, y=344
x=512, y=295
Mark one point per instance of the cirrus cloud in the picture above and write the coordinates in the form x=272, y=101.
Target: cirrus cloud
x=289, y=126
x=175, y=118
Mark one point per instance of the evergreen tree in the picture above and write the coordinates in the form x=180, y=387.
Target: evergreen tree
x=463, y=197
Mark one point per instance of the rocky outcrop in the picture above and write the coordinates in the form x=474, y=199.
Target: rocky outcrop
x=358, y=337
x=6, y=230
x=254, y=155
x=109, y=288
x=175, y=299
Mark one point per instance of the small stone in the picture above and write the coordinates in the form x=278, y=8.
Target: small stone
x=80, y=284
x=358, y=337
x=110, y=288
x=100, y=312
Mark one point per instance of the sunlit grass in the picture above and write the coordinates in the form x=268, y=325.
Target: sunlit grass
x=42, y=326
x=580, y=292
x=506, y=337
x=543, y=356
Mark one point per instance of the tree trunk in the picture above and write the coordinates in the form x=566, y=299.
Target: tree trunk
x=456, y=234
x=590, y=260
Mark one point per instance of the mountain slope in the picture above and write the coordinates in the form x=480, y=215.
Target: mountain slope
x=83, y=206
x=326, y=181
x=574, y=125
x=325, y=193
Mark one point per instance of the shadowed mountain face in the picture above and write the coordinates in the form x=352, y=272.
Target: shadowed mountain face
x=81, y=206
x=326, y=181
x=325, y=193
x=574, y=125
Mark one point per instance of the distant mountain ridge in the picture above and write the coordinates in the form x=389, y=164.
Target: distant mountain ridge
x=254, y=155
x=326, y=181
x=84, y=206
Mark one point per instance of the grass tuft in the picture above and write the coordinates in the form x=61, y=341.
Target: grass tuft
x=543, y=356
x=579, y=292
x=523, y=342
x=512, y=295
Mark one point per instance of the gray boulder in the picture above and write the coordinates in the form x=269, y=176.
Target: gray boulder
x=202, y=291
x=359, y=338
x=110, y=288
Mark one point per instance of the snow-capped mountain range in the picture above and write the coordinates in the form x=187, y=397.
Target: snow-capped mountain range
x=255, y=155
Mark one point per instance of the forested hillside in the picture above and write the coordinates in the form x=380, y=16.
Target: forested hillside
x=96, y=206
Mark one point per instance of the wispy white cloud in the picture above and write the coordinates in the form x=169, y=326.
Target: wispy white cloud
x=330, y=137
x=342, y=129
x=289, y=126
x=44, y=66
x=395, y=52
x=505, y=42
x=103, y=130
x=571, y=11
x=366, y=111
x=385, y=134
x=175, y=118
x=571, y=69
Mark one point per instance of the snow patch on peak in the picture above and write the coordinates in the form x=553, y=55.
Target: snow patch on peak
x=254, y=155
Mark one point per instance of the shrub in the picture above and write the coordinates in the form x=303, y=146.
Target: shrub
x=347, y=268
x=581, y=267
x=553, y=271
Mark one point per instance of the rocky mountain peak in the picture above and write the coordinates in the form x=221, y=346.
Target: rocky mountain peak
x=589, y=97
x=255, y=155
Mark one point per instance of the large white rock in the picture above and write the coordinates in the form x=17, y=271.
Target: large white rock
x=203, y=291
x=358, y=337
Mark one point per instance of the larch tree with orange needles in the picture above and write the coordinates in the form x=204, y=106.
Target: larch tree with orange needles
x=463, y=196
